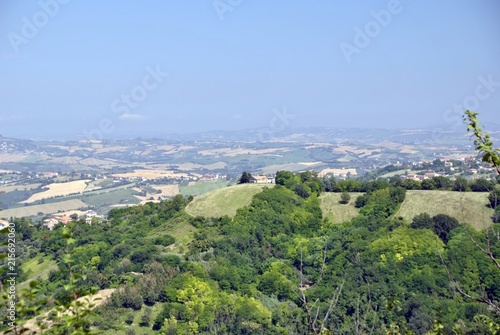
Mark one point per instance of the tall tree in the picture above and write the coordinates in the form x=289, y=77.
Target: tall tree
x=245, y=178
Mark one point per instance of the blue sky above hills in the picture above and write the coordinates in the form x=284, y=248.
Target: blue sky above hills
x=79, y=69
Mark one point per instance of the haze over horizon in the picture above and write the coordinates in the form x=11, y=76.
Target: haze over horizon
x=74, y=69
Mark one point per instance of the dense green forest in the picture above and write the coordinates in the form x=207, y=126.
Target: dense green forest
x=277, y=267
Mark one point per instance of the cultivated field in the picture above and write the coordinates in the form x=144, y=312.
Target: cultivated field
x=193, y=166
x=7, y=158
x=336, y=212
x=202, y=187
x=468, y=207
x=169, y=190
x=300, y=166
x=11, y=188
x=224, y=201
x=51, y=208
x=233, y=152
x=59, y=190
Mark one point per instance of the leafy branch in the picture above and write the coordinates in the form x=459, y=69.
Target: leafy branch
x=482, y=140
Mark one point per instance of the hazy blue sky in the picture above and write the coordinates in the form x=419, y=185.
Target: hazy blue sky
x=86, y=68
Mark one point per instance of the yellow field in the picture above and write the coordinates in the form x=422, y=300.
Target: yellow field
x=289, y=167
x=167, y=190
x=59, y=189
x=45, y=209
x=11, y=188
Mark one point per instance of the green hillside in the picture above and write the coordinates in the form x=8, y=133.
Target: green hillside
x=470, y=207
x=335, y=211
x=474, y=204
x=37, y=268
x=224, y=201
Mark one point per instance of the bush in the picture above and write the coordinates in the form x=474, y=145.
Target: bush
x=302, y=190
x=443, y=224
x=421, y=221
x=146, y=317
x=129, y=319
x=344, y=198
x=245, y=178
x=461, y=185
x=481, y=185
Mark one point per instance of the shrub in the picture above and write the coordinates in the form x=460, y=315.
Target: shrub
x=344, y=198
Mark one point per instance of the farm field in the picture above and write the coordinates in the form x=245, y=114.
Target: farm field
x=11, y=188
x=469, y=207
x=336, y=212
x=299, y=166
x=111, y=197
x=232, y=152
x=201, y=187
x=224, y=201
x=51, y=208
x=166, y=191
x=59, y=190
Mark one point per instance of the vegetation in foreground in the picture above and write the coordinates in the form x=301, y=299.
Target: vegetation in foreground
x=277, y=267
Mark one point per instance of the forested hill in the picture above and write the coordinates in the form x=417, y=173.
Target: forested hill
x=277, y=267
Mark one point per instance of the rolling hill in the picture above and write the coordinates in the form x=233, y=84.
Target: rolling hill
x=336, y=212
x=470, y=207
x=225, y=201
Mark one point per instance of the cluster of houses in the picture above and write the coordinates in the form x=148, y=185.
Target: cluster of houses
x=468, y=165
x=261, y=179
x=56, y=219
x=420, y=177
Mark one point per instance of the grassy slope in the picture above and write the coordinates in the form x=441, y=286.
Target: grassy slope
x=180, y=229
x=202, y=187
x=224, y=201
x=474, y=208
x=36, y=269
x=336, y=212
